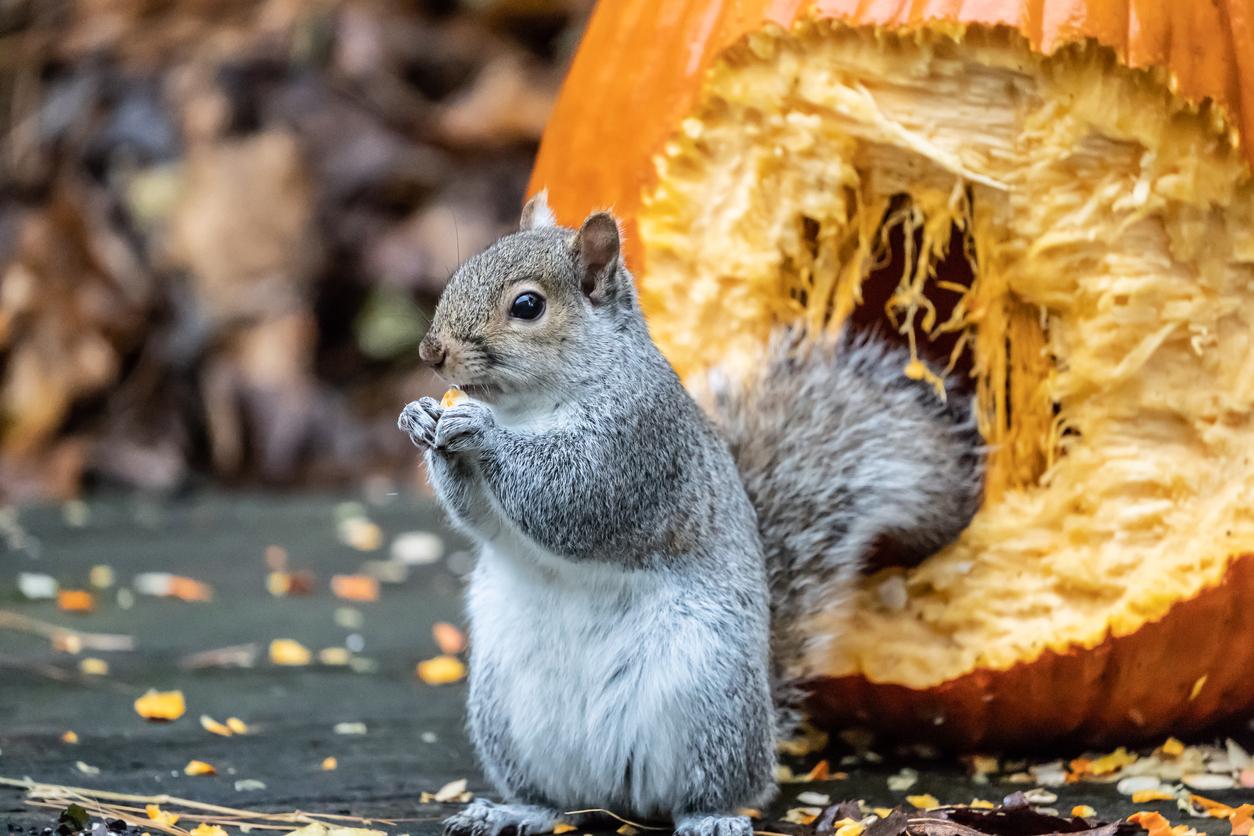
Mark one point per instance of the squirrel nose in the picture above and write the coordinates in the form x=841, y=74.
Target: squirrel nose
x=432, y=352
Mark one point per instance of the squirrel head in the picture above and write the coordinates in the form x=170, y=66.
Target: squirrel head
x=531, y=311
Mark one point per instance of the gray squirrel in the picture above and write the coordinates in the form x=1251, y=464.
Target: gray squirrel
x=645, y=575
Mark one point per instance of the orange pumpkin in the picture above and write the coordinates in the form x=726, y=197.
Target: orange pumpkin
x=1059, y=193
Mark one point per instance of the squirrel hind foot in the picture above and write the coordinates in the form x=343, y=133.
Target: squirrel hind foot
x=484, y=818
x=700, y=824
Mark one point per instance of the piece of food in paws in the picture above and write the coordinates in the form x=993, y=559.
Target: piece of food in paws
x=452, y=398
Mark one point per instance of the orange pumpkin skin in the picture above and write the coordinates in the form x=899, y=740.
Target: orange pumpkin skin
x=638, y=71
x=1126, y=689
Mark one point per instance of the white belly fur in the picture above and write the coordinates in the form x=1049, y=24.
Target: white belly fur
x=556, y=636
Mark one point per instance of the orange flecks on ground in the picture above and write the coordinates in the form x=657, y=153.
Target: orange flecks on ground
x=923, y=802
x=849, y=827
x=821, y=772
x=195, y=767
x=362, y=588
x=981, y=804
x=1214, y=809
x=1242, y=820
x=441, y=670
x=189, y=589
x=92, y=666
x=237, y=725
x=330, y=764
x=448, y=638
x=562, y=827
x=214, y=727
x=1172, y=748
x=206, y=829
x=1146, y=796
x=289, y=652
x=69, y=737
x=75, y=600
x=155, y=813
x=452, y=398
x=1154, y=823
x=1105, y=765
x=1083, y=811
x=161, y=705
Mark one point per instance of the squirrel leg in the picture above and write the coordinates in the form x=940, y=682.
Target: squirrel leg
x=485, y=818
x=703, y=824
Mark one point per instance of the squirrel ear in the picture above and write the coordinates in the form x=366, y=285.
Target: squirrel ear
x=597, y=244
x=537, y=212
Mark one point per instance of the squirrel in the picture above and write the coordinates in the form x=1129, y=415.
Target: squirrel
x=646, y=572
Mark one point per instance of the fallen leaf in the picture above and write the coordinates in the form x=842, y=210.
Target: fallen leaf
x=75, y=600
x=214, y=727
x=161, y=817
x=206, y=829
x=289, y=652
x=320, y=829
x=166, y=585
x=448, y=638
x=92, y=666
x=1154, y=823
x=1171, y=748
x=820, y=772
x=358, y=588
x=451, y=790
x=441, y=670
x=1242, y=820
x=334, y=656
x=161, y=705
x=195, y=767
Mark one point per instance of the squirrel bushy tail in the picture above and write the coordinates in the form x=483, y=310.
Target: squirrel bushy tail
x=841, y=454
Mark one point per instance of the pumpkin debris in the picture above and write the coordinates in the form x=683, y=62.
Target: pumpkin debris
x=75, y=600
x=289, y=652
x=198, y=767
x=161, y=706
x=441, y=670
x=448, y=638
x=70, y=737
x=358, y=588
x=330, y=764
x=452, y=398
x=161, y=817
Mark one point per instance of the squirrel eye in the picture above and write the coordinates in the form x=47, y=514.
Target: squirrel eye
x=527, y=306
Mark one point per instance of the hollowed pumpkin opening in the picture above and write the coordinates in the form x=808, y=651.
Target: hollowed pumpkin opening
x=1076, y=240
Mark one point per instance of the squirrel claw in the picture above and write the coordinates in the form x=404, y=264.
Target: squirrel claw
x=699, y=825
x=417, y=422
x=483, y=818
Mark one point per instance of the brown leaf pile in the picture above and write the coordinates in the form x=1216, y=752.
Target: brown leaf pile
x=224, y=223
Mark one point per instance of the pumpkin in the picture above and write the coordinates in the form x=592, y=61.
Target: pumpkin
x=1056, y=193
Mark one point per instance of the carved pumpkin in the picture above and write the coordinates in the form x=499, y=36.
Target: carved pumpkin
x=1059, y=193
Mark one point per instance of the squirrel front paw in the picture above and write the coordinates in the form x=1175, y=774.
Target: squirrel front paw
x=703, y=825
x=419, y=419
x=463, y=428
x=483, y=818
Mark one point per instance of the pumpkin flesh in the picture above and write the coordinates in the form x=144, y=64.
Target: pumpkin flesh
x=1109, y=329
